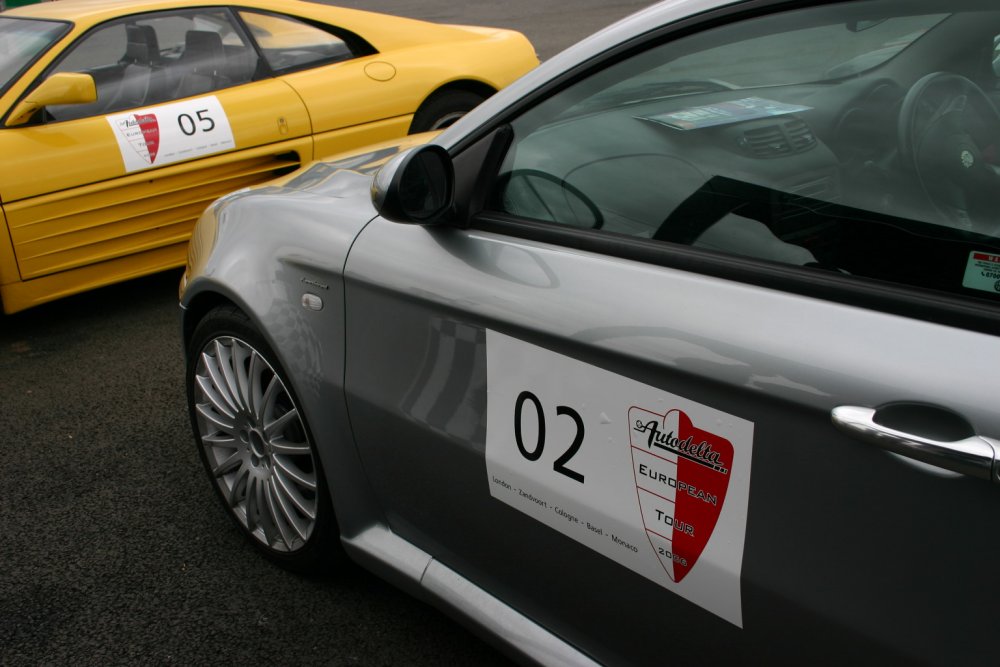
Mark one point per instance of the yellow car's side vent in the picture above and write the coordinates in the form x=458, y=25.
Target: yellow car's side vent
x=92, y=224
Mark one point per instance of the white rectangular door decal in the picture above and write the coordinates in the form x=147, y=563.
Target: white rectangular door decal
x=653, y=481
x=160, y=135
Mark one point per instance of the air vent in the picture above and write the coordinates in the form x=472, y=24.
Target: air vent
x=74, y=228
x=787, y=138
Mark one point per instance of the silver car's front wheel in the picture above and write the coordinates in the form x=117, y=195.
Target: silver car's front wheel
x=253, y=438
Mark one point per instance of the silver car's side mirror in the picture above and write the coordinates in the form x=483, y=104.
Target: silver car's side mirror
x=417, y=186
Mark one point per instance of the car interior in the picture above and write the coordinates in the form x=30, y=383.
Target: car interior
x=883, y=165
x=145, y=73
x=154, y=59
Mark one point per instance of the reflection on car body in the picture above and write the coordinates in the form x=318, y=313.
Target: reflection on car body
x=677, y=350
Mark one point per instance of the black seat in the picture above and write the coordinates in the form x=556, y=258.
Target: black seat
x=141, y=46
x=140, y=68
x=203, y=63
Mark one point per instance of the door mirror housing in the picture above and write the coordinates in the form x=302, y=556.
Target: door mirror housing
x=416, y=186
x=60, y=88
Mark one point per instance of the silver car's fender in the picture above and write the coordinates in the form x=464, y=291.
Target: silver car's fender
x=278, y=252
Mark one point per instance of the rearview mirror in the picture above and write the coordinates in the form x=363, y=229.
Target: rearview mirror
x=61, y=88
x=417, y=186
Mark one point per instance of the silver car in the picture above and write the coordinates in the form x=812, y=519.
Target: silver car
x=681, y=349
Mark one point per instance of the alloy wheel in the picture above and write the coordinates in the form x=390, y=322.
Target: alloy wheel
x=255, y=444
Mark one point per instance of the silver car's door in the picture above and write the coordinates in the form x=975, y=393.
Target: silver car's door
x=678, y=394
x=844, y=543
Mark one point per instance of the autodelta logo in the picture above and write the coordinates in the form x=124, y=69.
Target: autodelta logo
x=143, y=134
x=682, y=474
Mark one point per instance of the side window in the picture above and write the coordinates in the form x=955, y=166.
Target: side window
x=154, y=58
x=866, y=147
x=288, y=43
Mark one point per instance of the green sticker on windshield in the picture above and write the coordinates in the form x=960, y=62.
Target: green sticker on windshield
x=982, y=272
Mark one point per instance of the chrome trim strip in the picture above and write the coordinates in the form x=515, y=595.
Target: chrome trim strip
x=382, y=549
x=500, y=620
x=381, y=545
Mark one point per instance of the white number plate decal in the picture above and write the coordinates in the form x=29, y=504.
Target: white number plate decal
x=982, y=272
x=169, y=133
x=653, y=481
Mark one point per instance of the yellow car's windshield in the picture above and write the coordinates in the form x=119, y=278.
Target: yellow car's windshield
x=23, y=40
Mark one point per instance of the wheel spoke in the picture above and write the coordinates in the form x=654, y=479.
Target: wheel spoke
x=240, y=354
x=225, y=440
x=238, y=490
x=234, y=461
x=215, y=419
x=219, y=401
x=274, y=387
x=212, y=365
x=288, y=448
x=253, y=508
x=224, y=355
x=276, y=426
x=267, y=522
x=289, y=491
x=255, y=397
x=278, y=513
x=289, y=468
x=298, y=525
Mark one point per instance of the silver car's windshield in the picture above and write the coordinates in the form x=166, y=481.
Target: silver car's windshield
x=23, y=40
x=826, y=51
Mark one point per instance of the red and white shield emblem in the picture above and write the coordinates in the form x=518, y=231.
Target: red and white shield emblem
x=143, y=134
x=150, y=133
x=681, y=477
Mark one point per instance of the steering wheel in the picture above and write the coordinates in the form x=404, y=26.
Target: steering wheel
x=544, y=196
x=949, y=137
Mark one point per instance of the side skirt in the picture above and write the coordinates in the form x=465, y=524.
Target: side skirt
x=415, y=571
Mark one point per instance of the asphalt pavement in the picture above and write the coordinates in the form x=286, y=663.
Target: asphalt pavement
x=113, y=548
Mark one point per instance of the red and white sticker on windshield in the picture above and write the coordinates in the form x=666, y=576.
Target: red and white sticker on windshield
x=168, y=133
x=654, y=481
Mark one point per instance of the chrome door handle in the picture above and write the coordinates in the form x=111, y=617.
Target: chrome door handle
x=973, y=455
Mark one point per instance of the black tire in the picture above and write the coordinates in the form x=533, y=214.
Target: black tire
x=442, y=109
x=262, y=463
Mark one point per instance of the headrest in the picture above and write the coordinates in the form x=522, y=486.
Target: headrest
x=141, y=45
x=203, y=44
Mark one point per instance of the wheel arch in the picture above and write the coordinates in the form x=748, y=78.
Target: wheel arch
x=465, y=85
x=473, y=86
x=354, y=503
x=198, y=307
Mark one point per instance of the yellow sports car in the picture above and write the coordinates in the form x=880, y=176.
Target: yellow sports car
x=121, y=121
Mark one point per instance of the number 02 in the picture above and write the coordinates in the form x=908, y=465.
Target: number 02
x=535, y=452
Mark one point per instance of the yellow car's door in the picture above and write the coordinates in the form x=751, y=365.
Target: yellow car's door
x=348, y=87
x=118, y=183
